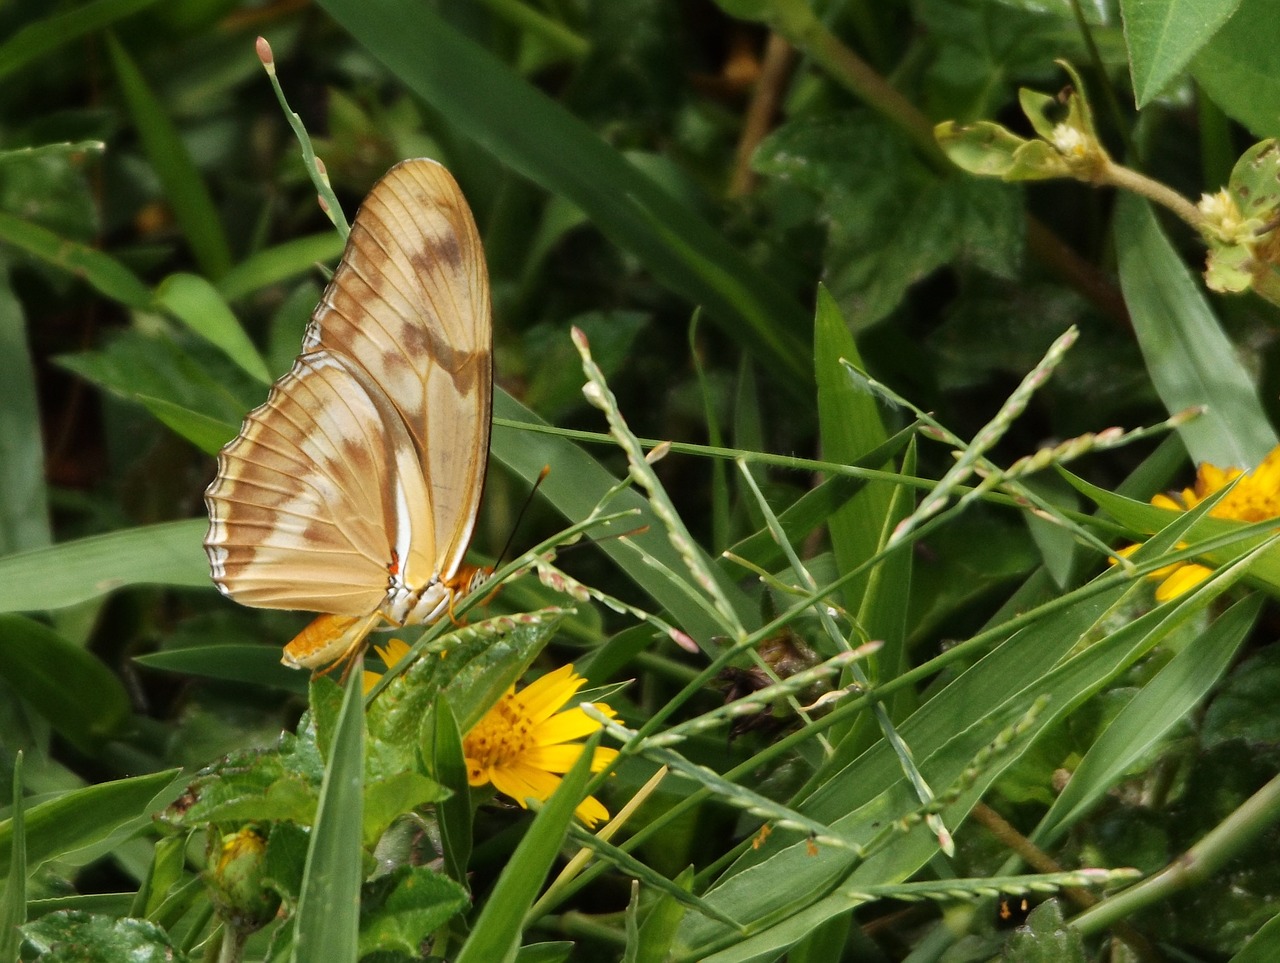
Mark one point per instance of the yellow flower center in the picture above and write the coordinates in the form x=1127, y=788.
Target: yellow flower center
x=502, y=736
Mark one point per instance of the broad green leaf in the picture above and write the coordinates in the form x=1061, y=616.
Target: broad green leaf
x=87, y=568
x=280, y=263
x=1163, y=702
x=541, y=140
x=24, y=509
x=100, y=938
x=103, y=272
x=184, y=188
x=1237, y=67
x=496, y=931
x=1046, y=938
x=197, y=304
x=327, y=923
x=79, y=819
x=1189, y=358
x=402, y=908
x=80, y=697
x=1163, y=36
x=48, y=33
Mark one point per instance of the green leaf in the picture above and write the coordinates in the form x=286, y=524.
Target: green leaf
x=404, y=907
x=206, y=433
x=24, y=509
x=81, y=818
x=280, y=263
x=1163, y=36
x=1190, y=359
x=1263, y=946
x=541, y=140
x=73, y=936
x=1046, y=938
x=249, y=664
x=1237, y=67
x=197, y=304
x=13, y=908
x=496, y=931
x=51, y=32
x=850, y=425
x=390, y=797
x=328, y=919
x=80, y=697
x=184, y=189
x=1163, y=702
x=88, y=568
x=449, y=766
x=103, y=272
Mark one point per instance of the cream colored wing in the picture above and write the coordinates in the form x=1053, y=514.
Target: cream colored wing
x=318, y=496
x=410, y=304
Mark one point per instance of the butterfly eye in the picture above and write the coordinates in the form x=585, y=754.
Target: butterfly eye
x=353, y=491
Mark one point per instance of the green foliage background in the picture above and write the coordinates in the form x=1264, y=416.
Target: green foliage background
x=743, y=207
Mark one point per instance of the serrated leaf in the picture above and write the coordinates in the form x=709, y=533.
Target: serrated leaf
x=73, y=936
x=406, y=906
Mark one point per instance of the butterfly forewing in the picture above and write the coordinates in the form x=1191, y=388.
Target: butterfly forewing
x=419, y=316
x=363, y=470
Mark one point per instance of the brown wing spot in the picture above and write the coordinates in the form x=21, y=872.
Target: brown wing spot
x=442, y=248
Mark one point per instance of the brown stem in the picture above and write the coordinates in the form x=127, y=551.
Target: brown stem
x=779, y=58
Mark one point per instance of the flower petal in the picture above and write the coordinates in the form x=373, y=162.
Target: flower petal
x=522, y=782
x=564, y=727
x=591, y=811
x=1183, y=580
x=542, y=697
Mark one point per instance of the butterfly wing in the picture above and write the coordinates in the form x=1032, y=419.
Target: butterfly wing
x=366, y=464
x=419, y=316
x=311, y=497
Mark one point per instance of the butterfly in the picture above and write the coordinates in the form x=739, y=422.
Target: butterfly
x=353, y=491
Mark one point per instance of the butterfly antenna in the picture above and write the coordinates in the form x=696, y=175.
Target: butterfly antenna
x=542, y=475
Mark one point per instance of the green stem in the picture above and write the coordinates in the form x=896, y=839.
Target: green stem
x=551, y=32
x=1228, y=839
x=1120, y=176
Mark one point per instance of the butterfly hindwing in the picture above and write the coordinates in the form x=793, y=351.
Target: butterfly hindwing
x=354, y=489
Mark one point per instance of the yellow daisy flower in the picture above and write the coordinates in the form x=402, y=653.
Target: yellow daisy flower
x=1255, y=497
x=525, y=742
x=390, y=654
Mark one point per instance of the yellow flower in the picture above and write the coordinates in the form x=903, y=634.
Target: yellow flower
x=1255, y=497
x=390, y=654
x=523, y=744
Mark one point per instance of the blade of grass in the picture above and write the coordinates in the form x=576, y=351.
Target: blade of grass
x=197, y=304
x=13, y=907
x=450, y=770
x=80, y=697
x=24, y=510
x=184, y=188
x=1163, y=702
x=280, y=263
x=87, y=568
x=541, y=140
x=496, y=932
x=1189, y=357
x=44, y=36
x=327, y=924
x=78, y=819
x=103, y=272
